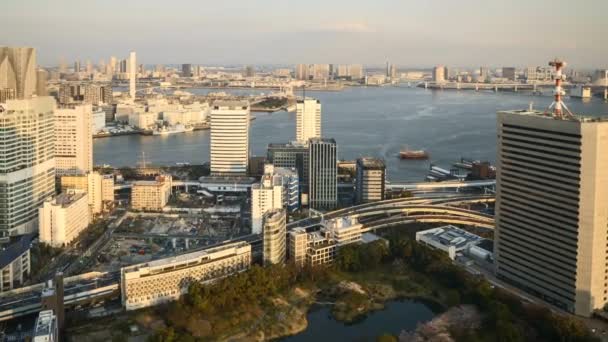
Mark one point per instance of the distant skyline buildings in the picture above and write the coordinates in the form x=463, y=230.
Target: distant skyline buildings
x=256, y=31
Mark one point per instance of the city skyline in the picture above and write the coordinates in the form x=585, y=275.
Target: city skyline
x=237, y=164
x=407, y=35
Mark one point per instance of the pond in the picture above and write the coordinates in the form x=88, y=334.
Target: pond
x=396, y=316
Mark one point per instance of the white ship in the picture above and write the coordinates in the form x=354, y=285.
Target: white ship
x=172, y=130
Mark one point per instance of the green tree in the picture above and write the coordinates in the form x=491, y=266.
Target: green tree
x=452, y=297
x=386, y=338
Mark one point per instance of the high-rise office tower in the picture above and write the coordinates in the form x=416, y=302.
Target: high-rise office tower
x=308, y=119
x=18, y=70
x=74, y=139
x=230, y=137
x=320, y=71
x=275, y=237
x=265, y=196
x=393, y=72
x=132, y=74
x=508, y=73
x=186, y=70
x=112, y=66
x=27, y=178
x=97, y=94
x=89, y=67
x=483, y=74
x=323, y=173
x=552, y=208
x=302, y=72
x=371, y=178
x=356, y=71
x=292, y=155
x=41, y=78
x=439, y=73
x=124, y=66
x=71, y=92
x=63, y=67
x=102, y=65
x=198, y=71
x=249, y=71
x=343, y=70
x=77, y=66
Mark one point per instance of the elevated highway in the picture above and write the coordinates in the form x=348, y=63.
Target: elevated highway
x=78, y=290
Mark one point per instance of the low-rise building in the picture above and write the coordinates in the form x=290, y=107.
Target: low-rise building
x=320, y=247
x=142, y=120
x=222, y=184
x=107, y=189
x=46, y=329
x=164, y=280
x=15, y=262
x=99, y=188
x=63, y=218
x=151, y=195
x=297, y=245
x=449, y=239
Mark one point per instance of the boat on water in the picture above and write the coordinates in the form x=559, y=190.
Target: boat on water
x=413, y=154
x=172, y=130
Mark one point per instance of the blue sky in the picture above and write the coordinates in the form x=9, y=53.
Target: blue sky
x=409, y=33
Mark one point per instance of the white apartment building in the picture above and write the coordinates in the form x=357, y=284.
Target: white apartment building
x=165, y=280
x=230, y=138
x=63, y=218
x=265, y=196
x=320, y=247
x=27, y=162
x=308, y=119
x=151, y=195
x=74, y=139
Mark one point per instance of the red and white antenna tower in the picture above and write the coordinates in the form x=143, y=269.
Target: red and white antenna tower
x=558, y=105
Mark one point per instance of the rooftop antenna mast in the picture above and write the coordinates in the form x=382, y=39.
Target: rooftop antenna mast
x=558, y=105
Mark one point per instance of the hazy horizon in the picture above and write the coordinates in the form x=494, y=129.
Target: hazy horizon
x=409, y=34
